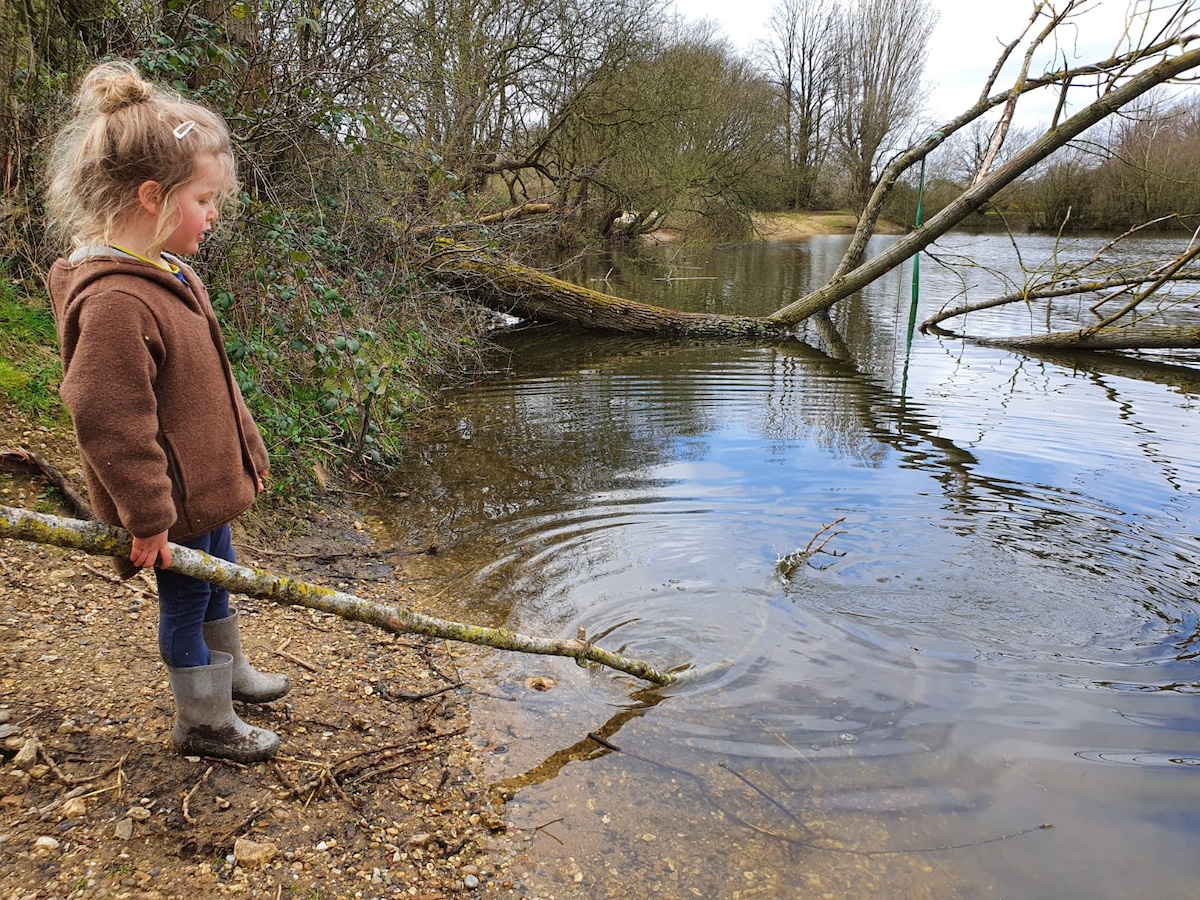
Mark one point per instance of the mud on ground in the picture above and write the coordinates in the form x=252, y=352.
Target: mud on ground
x=373, y=793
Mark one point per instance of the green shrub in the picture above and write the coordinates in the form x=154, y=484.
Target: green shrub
x=30, y=370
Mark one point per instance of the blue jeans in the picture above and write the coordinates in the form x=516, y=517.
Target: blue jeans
x=185, y=604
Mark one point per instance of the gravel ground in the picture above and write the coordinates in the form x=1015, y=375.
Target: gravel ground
x=374, y=792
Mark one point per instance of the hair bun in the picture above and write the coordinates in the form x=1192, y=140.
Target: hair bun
x=113, y=86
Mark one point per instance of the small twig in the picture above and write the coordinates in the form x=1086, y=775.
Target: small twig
x=256, y=809
x=754, y=787
x=286, y=779
x=72, y=779
x=602, y=742
x=829, y=536
x=311, y=787
x=104, y=790
x=786, y=566
x=410, y=697
x=390, y=749
x=337, y=786
x=433, y=710
x=188, y=796
x=49, y=760
x=22, y=459
x=375, y=773
x=582, y=635
x=279, y=651
x=314, y=787
x=116, y=579
x=543, y=827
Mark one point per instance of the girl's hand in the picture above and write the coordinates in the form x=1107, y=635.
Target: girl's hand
x=149, y=551
x=259, y=478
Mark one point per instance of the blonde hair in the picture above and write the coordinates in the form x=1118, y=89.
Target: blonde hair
x=125, y=132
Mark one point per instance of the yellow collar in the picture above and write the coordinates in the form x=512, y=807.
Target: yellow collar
x=165, y=266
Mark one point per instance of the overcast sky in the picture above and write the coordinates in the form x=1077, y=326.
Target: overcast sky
x=965, y=43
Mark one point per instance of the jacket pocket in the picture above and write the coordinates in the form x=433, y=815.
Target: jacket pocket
x=179, y=486
x=173, y=470
x=210, y=482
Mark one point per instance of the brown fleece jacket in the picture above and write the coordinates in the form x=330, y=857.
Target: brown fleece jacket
x=166, y=441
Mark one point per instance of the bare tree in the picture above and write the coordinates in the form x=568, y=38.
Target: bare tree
x=687, y=129
x=486, y=85
x=878, y=57
x=1148, y=162
x=797, y=58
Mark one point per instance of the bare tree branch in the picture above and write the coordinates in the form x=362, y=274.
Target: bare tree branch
x=98, y=538
x=977, y=195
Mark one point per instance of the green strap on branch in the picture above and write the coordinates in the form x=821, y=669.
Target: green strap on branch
x=105, y=540
x=916, y=274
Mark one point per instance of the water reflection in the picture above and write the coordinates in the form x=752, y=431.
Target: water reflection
x=1005, y=629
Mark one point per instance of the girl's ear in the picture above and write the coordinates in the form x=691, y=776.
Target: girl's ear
x=150, y=197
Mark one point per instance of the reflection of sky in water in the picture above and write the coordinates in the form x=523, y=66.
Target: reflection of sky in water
x=1003, y=629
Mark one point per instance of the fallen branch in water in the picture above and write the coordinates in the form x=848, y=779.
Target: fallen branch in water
x=787, y=566
x=105, y=540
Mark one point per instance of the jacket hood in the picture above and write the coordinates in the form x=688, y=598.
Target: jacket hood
x=70, y=278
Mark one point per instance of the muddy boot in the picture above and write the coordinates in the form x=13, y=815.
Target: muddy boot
x=249, y=685
x=205, y=723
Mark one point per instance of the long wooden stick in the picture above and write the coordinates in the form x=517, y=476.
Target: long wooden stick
x=105, y=540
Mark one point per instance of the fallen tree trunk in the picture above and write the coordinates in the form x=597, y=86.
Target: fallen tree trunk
x=105, y=540
x=521, y=291
x=513, y=212
x=1129, y=337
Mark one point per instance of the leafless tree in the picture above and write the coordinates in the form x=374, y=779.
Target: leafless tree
x=797, y=57
x=877, y=61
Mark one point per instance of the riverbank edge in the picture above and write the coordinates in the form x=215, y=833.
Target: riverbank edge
x=77, y=705
x=376, y=791
x=783, y=227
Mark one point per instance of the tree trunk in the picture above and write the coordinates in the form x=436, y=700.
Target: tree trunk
x=1130, y=337
x=101, y=539
x=510, y=288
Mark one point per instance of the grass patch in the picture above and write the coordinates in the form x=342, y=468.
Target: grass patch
x=30, y=369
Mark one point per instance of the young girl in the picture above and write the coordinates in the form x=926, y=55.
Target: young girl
x=169, y=450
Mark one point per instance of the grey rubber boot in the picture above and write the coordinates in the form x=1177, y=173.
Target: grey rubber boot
x=249, y=685
x=205, y=723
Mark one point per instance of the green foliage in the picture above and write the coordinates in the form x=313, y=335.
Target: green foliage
x=334, y=344
x=193, y=58
x=333, y=360
x=30, y=369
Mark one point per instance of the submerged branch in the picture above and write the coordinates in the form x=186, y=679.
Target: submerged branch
x=98, y=538
x=1129, y=337
x=1118, y=285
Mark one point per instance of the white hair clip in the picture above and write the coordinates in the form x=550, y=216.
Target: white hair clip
x=183, y=129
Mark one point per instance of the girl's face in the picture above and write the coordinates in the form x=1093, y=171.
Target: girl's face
x=196, y=206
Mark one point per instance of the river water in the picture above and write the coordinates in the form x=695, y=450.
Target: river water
x=1000, y=632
